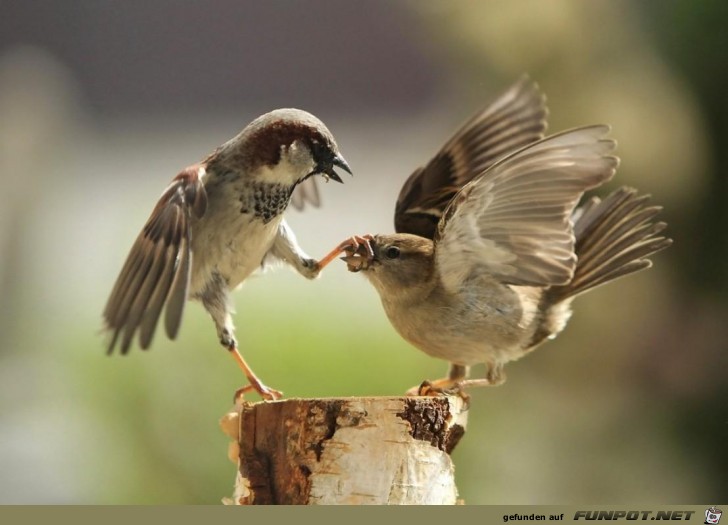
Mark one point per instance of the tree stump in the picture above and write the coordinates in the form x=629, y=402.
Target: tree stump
x=374, y=450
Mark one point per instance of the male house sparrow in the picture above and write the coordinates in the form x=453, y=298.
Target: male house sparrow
x=490, y=250
x=219, y=221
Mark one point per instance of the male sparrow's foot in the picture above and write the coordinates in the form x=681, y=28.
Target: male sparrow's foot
x=350, y=246
x=359, y=253
x=267, y=393
x=310, y=268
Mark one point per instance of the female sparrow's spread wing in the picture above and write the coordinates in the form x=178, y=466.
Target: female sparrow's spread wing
x=513, y=221
x=157, y=271
x=515, y=119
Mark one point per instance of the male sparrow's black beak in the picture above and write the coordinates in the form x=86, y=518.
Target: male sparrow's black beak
x=339, y=161
x=326, y=168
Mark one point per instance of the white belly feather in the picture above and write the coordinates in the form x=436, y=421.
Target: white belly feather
x=233, y=251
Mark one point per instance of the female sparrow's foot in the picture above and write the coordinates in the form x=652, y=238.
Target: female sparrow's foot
x=447, y=386
x=434, y=388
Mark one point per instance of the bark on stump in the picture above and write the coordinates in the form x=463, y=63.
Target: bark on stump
x=376, y=450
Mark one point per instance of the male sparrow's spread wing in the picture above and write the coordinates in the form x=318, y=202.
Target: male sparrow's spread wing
x=157, y=271
x=515, y=119
x=513, y=221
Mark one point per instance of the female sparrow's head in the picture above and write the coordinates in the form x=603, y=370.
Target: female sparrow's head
x=398, y=263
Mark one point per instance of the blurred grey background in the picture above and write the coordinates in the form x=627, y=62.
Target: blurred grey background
x=103, y=102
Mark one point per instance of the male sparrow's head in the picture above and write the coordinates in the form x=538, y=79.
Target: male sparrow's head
x=399, y=263
x=285, y=146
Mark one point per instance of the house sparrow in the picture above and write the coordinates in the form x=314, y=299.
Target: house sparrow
x=490, y=251
x=218, y=222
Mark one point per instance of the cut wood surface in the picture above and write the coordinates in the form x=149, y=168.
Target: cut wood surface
x=372, y=450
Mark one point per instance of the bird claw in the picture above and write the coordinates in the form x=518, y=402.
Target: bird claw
x=440, y=388
x=267, y=393
x=359, y=252
x=256, y=385
x=350, y=246
x=436, y=388
x=311, y=268
x=423, y=389
x=452, y=387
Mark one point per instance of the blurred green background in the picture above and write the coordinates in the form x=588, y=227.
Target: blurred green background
x=102, y=102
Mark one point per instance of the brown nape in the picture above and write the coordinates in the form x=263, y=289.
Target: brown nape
x=266, y=142
x=259, y=144
x=614, y=237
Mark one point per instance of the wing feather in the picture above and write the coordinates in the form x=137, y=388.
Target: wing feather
x=513, y=221
x=515, y=119
x=178, y=292
x=156, y=273
x=306, y=192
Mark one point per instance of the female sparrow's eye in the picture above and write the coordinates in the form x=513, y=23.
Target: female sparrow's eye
x=392, y=252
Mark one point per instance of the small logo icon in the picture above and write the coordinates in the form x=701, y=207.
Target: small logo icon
x=712, y=515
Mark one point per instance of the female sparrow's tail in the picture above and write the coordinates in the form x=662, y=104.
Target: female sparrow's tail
x=614, y=237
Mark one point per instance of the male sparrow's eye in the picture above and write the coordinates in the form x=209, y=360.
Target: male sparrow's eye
x=392, y=252
x=318, y=150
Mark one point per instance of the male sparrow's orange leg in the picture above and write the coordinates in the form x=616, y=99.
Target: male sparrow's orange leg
x=267, y=393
